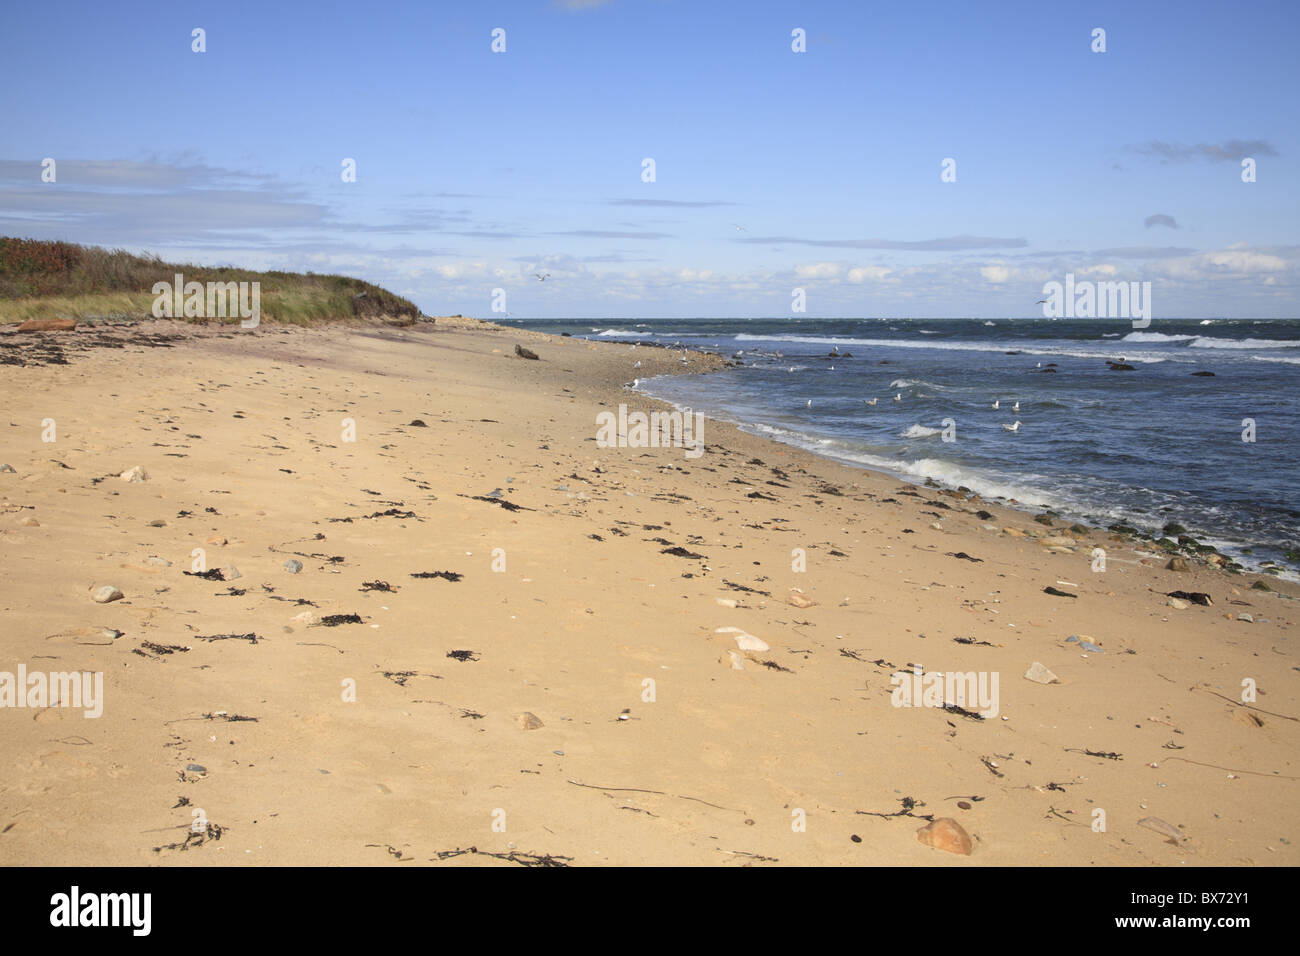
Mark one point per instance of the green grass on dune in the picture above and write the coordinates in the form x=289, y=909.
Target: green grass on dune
x=41, y=279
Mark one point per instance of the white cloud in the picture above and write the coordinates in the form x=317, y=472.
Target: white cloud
x=1245, y=261
x=1104, y=269
x=818, y=270
x=1234, y=262
x=461, y=270
x=863, y=273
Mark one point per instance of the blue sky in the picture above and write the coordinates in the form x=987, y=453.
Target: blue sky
x=774, y=170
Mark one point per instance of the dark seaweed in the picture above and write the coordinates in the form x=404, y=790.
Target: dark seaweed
x=334, y=620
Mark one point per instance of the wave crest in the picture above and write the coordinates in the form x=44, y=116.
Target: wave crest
x=921, y=431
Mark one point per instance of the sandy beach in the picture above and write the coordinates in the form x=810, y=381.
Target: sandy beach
x=575, y=687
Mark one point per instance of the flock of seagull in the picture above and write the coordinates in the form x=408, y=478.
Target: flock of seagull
x=997, y=403
x=898, y=396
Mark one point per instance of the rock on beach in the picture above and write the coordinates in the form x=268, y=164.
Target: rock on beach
x=947, y=834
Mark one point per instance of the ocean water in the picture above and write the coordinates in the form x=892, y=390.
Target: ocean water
x=1143, y=447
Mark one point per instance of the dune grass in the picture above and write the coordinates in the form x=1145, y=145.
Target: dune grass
x=41, y=279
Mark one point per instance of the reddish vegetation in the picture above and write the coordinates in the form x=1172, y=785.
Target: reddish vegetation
x=31, y=267
x=36, y=268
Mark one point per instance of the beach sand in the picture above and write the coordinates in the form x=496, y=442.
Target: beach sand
x=598, y=717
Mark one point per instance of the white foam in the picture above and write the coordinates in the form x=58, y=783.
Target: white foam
x=1156, y=337
x=1054, y=352
x=950, y=473
x=921, y=431
x=910, y=383
x=625, y=334
x=1213, y=342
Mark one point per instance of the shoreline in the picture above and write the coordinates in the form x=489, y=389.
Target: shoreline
x=1246, y=519
x=1139, y=526
x=1138, y=523
x=594, y=599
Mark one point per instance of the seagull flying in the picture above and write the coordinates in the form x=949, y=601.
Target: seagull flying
x=542, y=278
